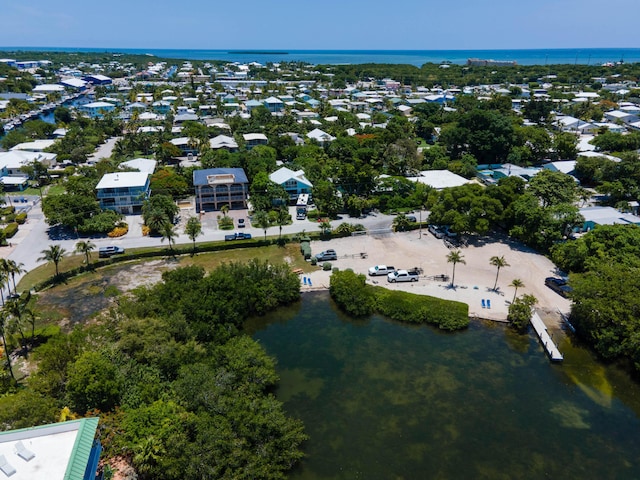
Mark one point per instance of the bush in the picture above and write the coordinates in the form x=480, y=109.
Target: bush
x=412, y=308
x=350, y=292
x=7, y=210
x=10, y=230
x=314, y=261
x=10, y=217
x=225, y=223
x=326, y=266
x=21, y=218
x=119, y=231
x=145, y=230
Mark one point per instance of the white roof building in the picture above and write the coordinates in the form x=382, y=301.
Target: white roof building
x=35, y=146
x=223, y=141
x=123, y=180
x=439, y=179
x=320, y=136
x=145, y=165
x=48, y=88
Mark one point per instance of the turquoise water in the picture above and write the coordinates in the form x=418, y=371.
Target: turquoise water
x=590, y=56
x=381, y=400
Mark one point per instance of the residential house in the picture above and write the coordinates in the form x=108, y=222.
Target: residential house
x=254, y=139
x=251, y=104
x=274, y=105
x=223, y=141
x=123, y=192
x=66, y=450
x=594, y=216
x=185, y=145
x=323, y=138
x=215, y=187
x=294, y=183
x=12, y=163
x=97, y=109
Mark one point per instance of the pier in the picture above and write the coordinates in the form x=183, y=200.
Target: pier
x=545, y=338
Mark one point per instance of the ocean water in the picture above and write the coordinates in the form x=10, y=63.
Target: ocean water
x=582, y=56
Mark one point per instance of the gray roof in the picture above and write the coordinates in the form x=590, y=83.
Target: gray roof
x=200, y=176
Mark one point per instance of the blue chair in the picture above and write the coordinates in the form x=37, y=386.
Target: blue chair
x=488, y=303
x=484, y=305
x=310, y=282
x=304, y=280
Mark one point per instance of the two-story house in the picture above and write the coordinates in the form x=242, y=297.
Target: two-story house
x=294, y=183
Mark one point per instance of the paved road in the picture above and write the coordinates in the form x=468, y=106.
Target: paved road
x=36, y=235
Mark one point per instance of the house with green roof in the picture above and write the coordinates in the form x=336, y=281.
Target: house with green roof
x=59, y=451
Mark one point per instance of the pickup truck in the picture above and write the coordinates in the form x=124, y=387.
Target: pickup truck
x=237, y=236
x=403, y=276
x=381, y=270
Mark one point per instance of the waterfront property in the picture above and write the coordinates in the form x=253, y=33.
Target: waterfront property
x=123, y=192
x=66, y=450
x=215, y=187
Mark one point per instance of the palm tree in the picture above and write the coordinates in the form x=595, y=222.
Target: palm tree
x=85, y=248
x=455, y=257
x=498, y=262
x=261, y=220
x=17, y=311
x=53, y=255
x=325, y=226
x=224, y=209
x=3, y=334
x=168, y=233
x=516, y=283
x=13, y=270
x=193, y=229
x=282, y=218
x=4, y=279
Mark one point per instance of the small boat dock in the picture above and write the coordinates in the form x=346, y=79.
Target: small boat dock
x=545, y=338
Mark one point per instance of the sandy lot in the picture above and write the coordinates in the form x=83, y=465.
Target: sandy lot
x=473, y=281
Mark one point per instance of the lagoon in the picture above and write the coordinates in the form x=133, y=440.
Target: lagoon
x=385, y=400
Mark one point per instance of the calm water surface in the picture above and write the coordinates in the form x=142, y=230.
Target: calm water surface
x=382, y=400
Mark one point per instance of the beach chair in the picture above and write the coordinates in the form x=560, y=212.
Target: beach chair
x=310, y=282
x=484, y=305
x=23, y=452
x=6, y=467
x=304, y=280
x=488, y=303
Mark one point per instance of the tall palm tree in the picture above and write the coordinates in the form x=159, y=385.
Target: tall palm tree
x=53, y=255
x=224, y=209
x=261, y=220
x=4, y=280
x=282, y=218
x=85, y=248
x=15, y=269
x=168, y=233
x=455, y=257
x=3, y=335
x=516, y=283
x=498, y=262
x=17, y=312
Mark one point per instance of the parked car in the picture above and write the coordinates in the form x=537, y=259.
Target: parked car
x=380, y=270
x=435, y=231
x=241, y=223
x=106, y=252
x=558, y=285
x=327, y=255
x=403, y=276
x=412, y=218
x=237, y=236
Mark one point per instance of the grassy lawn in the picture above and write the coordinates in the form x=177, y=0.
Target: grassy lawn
x=208, y=261
x=54, y=189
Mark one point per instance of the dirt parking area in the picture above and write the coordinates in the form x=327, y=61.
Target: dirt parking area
x=473, y=281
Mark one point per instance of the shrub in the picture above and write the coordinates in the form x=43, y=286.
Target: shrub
x=350, y=292
x=326, y=266
x=21, y=218
x=225, y=223
x=314, y=261
x=7, y=210
x=10, y=230
x=10, y=217
x=145, y=230
x=118, y=232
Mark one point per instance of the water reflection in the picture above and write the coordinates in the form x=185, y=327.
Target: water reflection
x=389, y=401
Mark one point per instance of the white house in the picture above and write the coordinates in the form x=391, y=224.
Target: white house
x=254, y=139
x=123, y=192
x=439, y=179
x=321, y=137
x=34, y=146
x=223, y=141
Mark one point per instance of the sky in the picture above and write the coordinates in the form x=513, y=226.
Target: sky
x=321, y=25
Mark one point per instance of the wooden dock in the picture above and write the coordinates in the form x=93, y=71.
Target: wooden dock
x=545, y=338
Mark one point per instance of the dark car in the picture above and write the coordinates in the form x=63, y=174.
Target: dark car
x=412, y=218
x=241, y=223
x=106, y=252
x=237, y=236
x=558, y=285
x=327, y=255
